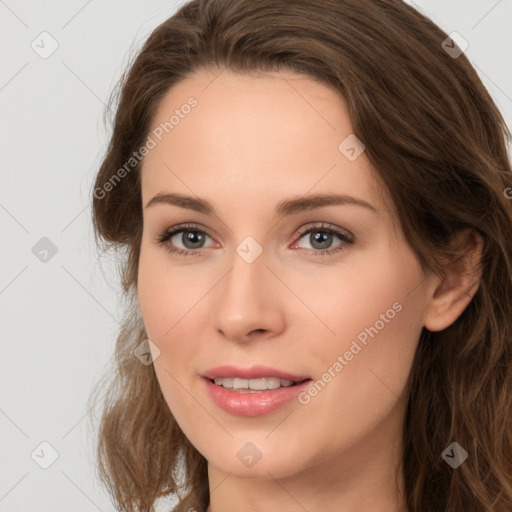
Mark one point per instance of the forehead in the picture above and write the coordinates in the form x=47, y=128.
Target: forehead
x=265, y=135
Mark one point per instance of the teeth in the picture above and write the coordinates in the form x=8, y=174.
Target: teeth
x=254, y=384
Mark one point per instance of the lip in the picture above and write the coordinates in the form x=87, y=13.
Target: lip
x=254, y=372
x=253, y=404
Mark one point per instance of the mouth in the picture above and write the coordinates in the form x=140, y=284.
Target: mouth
x=244, y=401
x=255, y=391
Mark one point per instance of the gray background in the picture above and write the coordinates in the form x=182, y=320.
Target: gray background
x=59, y=315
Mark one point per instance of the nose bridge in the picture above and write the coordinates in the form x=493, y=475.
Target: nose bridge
x=246, y=299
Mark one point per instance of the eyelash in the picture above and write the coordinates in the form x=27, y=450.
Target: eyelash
x=163, y=238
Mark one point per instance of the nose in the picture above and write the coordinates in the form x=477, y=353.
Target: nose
x=248, y=302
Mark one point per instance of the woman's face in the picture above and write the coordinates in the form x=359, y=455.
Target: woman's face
x=326, y=291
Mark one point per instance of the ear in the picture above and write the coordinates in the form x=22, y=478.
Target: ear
x=450, y=295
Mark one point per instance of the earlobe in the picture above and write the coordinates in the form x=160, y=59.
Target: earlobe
x=451, y=294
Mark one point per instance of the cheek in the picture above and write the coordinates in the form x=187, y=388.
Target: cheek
x=377, y=317
x=151, y=297
x=165, y=293
x=173, y=303
x=378, y=298
x=167, y=306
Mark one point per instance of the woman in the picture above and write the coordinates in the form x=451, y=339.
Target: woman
x=369, y=369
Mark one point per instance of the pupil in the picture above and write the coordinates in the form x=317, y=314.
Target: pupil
x=194, y=238
x=322, y=238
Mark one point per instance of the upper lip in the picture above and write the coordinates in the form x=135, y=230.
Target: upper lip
x=254, y=372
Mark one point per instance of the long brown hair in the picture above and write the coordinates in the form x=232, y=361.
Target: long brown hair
x=439, y=147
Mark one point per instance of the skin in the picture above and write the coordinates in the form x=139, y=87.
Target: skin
x=251, y=142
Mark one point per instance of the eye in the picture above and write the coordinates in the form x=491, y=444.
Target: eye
x=192, y=237
x=321, y=237
x=188, y=234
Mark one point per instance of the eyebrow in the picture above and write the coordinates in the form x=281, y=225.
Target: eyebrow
x=284, y=208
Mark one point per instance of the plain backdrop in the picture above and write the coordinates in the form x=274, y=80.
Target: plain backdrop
x=60, y=304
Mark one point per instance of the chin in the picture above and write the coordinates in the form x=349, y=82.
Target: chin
x=259, y=459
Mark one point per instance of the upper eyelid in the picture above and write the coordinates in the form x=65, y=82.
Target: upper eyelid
x=325, y=226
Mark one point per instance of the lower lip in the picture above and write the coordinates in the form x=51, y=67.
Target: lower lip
x=253, y=404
